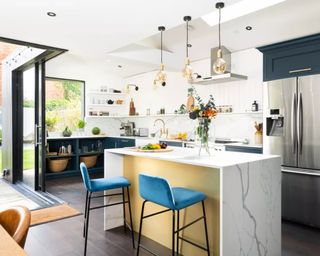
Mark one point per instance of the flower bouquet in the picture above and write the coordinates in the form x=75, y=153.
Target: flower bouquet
x=204, y=113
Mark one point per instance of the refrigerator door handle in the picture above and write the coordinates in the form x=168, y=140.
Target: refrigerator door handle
x=300, y=124
x=294, y=123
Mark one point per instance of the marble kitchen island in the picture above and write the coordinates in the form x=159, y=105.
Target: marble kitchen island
x=243, y=204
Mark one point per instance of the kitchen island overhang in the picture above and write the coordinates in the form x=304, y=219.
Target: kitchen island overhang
x=243, y=190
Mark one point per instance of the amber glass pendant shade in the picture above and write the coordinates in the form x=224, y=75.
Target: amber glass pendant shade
x=187, y=70
x=220, y=65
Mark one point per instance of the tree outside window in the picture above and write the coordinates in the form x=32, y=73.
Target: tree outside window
x=64, y=103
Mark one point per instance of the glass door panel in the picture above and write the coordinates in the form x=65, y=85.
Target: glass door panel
x=28, y=154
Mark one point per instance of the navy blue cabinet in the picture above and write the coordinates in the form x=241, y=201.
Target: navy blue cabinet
x=298, y=57
x=172, y=143
x=119, y=142
x=82, y=147
x=244, y=149
x=122, y=143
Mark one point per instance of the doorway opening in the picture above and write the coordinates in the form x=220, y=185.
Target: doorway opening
x=22, y=117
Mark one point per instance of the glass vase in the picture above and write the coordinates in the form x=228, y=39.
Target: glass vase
x=203, y=135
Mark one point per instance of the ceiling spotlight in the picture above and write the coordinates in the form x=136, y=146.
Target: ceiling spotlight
x=248, y=28
x=51, y=14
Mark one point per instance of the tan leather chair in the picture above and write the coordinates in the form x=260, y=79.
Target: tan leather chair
x=16, y=221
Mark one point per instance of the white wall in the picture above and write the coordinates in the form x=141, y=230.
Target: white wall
x=240, y=94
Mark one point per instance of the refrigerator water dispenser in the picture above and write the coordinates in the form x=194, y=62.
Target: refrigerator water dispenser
x=275, y=126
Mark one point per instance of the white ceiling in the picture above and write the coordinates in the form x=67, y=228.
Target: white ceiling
x=125, y=31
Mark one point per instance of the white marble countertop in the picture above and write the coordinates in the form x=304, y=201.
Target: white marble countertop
x=190, y=156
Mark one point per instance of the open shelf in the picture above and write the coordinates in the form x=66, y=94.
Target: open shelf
x=106, y=93
x=105, y=105
x=59, y=156
x=175, y=115
x=91, y=153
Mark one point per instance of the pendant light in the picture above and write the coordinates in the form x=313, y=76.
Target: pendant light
x=220, y=65
x=161, y=76
x=187, y=70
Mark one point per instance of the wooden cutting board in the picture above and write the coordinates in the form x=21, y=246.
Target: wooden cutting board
x=154, y=150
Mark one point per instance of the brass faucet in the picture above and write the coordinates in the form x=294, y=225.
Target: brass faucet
x=163, y=131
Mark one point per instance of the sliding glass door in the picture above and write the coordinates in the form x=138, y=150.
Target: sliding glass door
x=29, y=131
x=30, y=138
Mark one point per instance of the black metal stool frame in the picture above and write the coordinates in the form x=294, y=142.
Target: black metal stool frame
x=175, y=230
x=88, y=209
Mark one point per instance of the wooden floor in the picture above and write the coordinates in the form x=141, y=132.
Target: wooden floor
x=65, y=237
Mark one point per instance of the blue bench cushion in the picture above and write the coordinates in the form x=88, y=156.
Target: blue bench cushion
x=184, y=197
x=110, y=183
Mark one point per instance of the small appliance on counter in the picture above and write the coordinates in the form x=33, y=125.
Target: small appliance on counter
x=142, y=132
x=128, y=128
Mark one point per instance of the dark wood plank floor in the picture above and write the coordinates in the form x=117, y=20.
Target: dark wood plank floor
x=65, y=237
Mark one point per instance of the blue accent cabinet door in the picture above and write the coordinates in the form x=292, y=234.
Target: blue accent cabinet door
x=298, y=57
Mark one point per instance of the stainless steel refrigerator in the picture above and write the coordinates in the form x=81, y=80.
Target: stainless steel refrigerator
x=292, y=108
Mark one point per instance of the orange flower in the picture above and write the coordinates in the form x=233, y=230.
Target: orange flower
x=210, y=113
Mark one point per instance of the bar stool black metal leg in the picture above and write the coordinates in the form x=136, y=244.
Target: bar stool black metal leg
x=173, y=231
x=178, y=226
x=205, y=227
x=87, y=225
x=124, y=212
x=130, y=215
x=85, y=214
x=140, y=228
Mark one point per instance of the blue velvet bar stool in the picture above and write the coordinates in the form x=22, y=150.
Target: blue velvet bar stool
x=102, y=184
x=157, y=190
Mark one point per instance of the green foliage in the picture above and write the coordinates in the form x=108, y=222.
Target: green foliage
x=81, y=124
x=28, y=103
x=51, y=122
x=68, y=107
x=56, y=104
x=72, y=90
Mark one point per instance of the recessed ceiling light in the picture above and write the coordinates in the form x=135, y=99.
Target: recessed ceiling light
x=51, y=14
x=239, y=9
x=119, y=66
x=248, y=28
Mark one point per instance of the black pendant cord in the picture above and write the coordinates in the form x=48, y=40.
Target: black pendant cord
x=161, y=49
x=187, y=39
x=219, y=28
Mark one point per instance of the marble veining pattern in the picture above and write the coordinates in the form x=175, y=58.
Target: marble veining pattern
x=252, y=209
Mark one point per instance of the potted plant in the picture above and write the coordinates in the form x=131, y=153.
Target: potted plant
x=81, y=124
x=51, y=122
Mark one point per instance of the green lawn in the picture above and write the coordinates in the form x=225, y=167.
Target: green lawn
x=28, y=159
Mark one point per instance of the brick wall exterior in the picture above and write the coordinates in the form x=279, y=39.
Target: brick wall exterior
x=5, y=50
